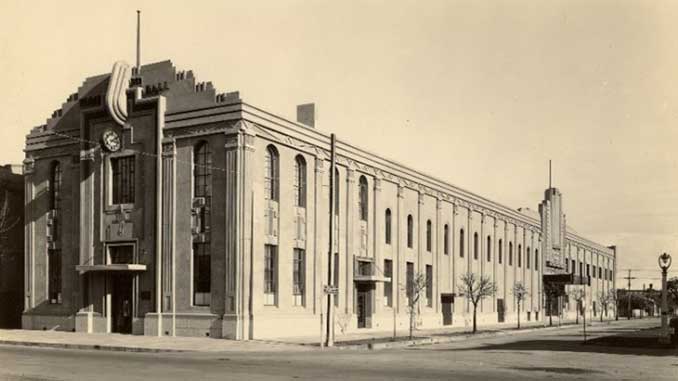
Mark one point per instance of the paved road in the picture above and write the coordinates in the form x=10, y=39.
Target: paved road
x=536, y=355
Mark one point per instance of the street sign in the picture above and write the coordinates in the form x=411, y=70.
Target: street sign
x=327, y=289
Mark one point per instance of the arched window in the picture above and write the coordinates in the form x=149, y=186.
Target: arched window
x=527, y=257
x=387, y=226
x=501, y=250
x=520, y=255
x=461, y=243
x=510, y=253
x=429, y=237
x=53, y=254
x=202, y=180
x=55, y=182
x=410, y=231
x=475, y=245
x=446, y=239
x=272, y=179
x=202, y=187
x=300, y=181
x=489, y=248
x=363, y=198
x=536, y=260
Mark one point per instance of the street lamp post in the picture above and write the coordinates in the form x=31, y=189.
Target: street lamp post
x=664, y=264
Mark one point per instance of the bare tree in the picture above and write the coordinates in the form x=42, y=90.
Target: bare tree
x=475, y=289
x=519, y=291
x=613, y=299
x=604, y=301
x=414, y=291
x=578, y=294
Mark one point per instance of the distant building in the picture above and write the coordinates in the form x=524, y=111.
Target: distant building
x=157, y=206
x=11, y=246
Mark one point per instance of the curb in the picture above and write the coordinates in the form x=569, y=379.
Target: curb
x=447, y=339
x=113, y=348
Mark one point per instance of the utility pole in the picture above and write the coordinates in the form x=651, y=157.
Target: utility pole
x=629, y=277
x=331, y=282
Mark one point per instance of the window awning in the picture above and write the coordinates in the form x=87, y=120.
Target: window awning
x=116, y=267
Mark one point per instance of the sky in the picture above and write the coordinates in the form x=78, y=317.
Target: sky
x=480, y=94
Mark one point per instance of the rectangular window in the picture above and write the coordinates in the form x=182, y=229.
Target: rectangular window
x=123, y=179
x=410, y=280
x=388, y=286
x=121, y=254
x=600, y=273
x=567, y=265
x=581, y=268
x=54, y=258
x=298, y=269
x=202, y=274
x=429, y=285
x=335, y=270
x=446, y=240
x=270, y=274
x=588, y=270
x=527, y=258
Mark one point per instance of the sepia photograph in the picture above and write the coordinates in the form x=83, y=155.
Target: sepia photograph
x=338, y=190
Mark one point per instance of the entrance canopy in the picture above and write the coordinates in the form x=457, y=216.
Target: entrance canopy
x=117, y=267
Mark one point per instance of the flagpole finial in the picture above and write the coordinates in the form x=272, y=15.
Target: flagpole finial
x=549, y=173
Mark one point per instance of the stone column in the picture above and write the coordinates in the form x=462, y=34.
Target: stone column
x=495, y=249
x=238, y=235
x=350, y=239
x=320, y=234
x=29, y=230
x=504, y=264
x=453, y=254
x=437, y=255
x=377, y=237
x=168, y=214
x=481, y=255
x=399, y=264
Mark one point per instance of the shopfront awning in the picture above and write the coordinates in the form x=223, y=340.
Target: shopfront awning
x=117, y=267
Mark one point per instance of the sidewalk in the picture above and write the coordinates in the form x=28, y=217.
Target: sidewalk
x=384, y=339
x=354, y=340
x=131, y=343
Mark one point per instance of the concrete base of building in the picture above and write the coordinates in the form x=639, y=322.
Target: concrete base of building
x=48, y=322
x=183, y=324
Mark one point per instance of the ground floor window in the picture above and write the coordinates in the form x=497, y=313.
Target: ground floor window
x=54, y=282
x=409, y=285
x=388, y=286
x=201, y=274
x=298, y=275
x=270, y=274
x=429, y=285
x=336, y=278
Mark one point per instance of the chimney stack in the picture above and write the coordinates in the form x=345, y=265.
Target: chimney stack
x=306, y=114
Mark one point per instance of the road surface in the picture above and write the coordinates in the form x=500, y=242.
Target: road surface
x=552, y=354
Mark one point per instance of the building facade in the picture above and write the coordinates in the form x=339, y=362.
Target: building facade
x=11, y=245
x=157, y=206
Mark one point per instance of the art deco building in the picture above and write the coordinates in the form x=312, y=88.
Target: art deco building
x=155, y=205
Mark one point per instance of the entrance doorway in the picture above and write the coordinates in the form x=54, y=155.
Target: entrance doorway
x=500, y=310
x=364, y=305
x=447, y=302
x=121, y=304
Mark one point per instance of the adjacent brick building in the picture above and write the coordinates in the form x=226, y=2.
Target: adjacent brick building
x=158, y=206
x=11, y=246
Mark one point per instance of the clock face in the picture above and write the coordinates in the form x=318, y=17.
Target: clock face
x=111, y=140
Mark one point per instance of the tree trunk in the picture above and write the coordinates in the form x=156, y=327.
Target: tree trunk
x=518, y=315
x=411, y=321
x=474, y=318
